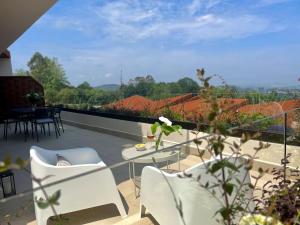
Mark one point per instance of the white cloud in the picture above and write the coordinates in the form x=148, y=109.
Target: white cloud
x=194, y=6
x=139, y=20
x=107, y=75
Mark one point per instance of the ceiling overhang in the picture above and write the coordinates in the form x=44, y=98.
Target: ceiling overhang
x=17, y=16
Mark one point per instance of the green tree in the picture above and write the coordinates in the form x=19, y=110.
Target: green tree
x=188, y=85
x=50, y=96
x=84, y=85
x=68, y=96
x=47, y=71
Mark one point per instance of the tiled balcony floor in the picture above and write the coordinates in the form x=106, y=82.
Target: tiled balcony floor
x=109, y=148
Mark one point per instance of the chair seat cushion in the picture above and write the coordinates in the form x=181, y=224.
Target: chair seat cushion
x=62, y=161
x=45, y=120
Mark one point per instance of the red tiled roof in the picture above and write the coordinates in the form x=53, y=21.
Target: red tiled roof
x=273, y=109
x=267, y=109
x=134, y=103
x=140, y=103
x=290, y=104
x=158, y=104
x=270, y=108
x=199, y=106
x=194, y=107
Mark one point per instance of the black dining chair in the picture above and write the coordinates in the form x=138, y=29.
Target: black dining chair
x=57, y=116
x=9, y=120
x=42, y=117
x=23, y=115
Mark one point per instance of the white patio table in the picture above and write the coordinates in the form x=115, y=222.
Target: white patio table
x=147, y=156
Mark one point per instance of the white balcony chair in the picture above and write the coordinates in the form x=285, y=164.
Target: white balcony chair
x=198, y=206
x=94, y=189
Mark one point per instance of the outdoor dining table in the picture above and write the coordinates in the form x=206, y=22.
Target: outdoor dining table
x=26, y=110
x=25, y=115
x=150, y=156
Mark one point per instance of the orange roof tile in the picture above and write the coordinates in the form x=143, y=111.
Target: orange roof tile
x=271, y=108
x=134, y=103
x=158, y=104
x=290, y=104
x=267, y=109
x=199, y=107
x=140, y=103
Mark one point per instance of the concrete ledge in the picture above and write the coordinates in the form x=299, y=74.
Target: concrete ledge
x=104, y=130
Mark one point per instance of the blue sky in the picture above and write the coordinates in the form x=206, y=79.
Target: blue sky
x=248, y=42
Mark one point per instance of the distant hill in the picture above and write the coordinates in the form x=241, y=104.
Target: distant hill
x=109, y=87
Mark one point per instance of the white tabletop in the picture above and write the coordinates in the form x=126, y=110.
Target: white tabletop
x=162, y=156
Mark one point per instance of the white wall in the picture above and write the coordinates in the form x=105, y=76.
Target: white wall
x=5, y=67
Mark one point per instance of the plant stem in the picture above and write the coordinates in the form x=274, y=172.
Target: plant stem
x=225, y=193
x=158, y=141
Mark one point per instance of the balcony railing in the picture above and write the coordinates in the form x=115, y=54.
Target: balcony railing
x=280, y=131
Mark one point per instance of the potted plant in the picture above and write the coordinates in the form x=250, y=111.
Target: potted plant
x=33, y=98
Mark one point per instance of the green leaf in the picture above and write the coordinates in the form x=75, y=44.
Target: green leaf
x=177, y=127
x=197, y=141
x=53, y=200
x=225, y=213
x=216, y=166
x=231, y=165
x=41, y=203
x=236, y=146
x=167, y=128
x=21, y=163
x=217, y=147
x=228, y=188
x=7, y=161
x=222, y=164
x=212, y=116
x=154, y=127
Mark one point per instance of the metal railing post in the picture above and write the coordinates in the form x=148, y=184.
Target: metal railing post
x=284, y=143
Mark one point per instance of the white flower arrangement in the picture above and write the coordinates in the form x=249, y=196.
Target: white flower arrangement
x=165, y=128
x=165, y=120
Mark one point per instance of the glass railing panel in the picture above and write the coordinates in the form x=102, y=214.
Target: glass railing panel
x=266, y=130
x=292, y=119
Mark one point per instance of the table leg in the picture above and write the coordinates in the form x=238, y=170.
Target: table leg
x=129, y=170
x=178, y=160
x=134, y=180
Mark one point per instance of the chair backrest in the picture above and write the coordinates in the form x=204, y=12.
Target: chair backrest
x=57, y=110
x=44, y=112
x=197, y=203
x=76, y=156
x=43, y=155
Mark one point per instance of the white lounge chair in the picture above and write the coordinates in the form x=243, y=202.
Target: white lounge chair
x=198, y=206
x=94, y=189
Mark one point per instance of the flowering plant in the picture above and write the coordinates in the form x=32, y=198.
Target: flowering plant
x=165, y=128
x=259, y=219
x=33, y=97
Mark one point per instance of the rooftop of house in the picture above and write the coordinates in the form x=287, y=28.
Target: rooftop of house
x=133, y=103
x=190, y=106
